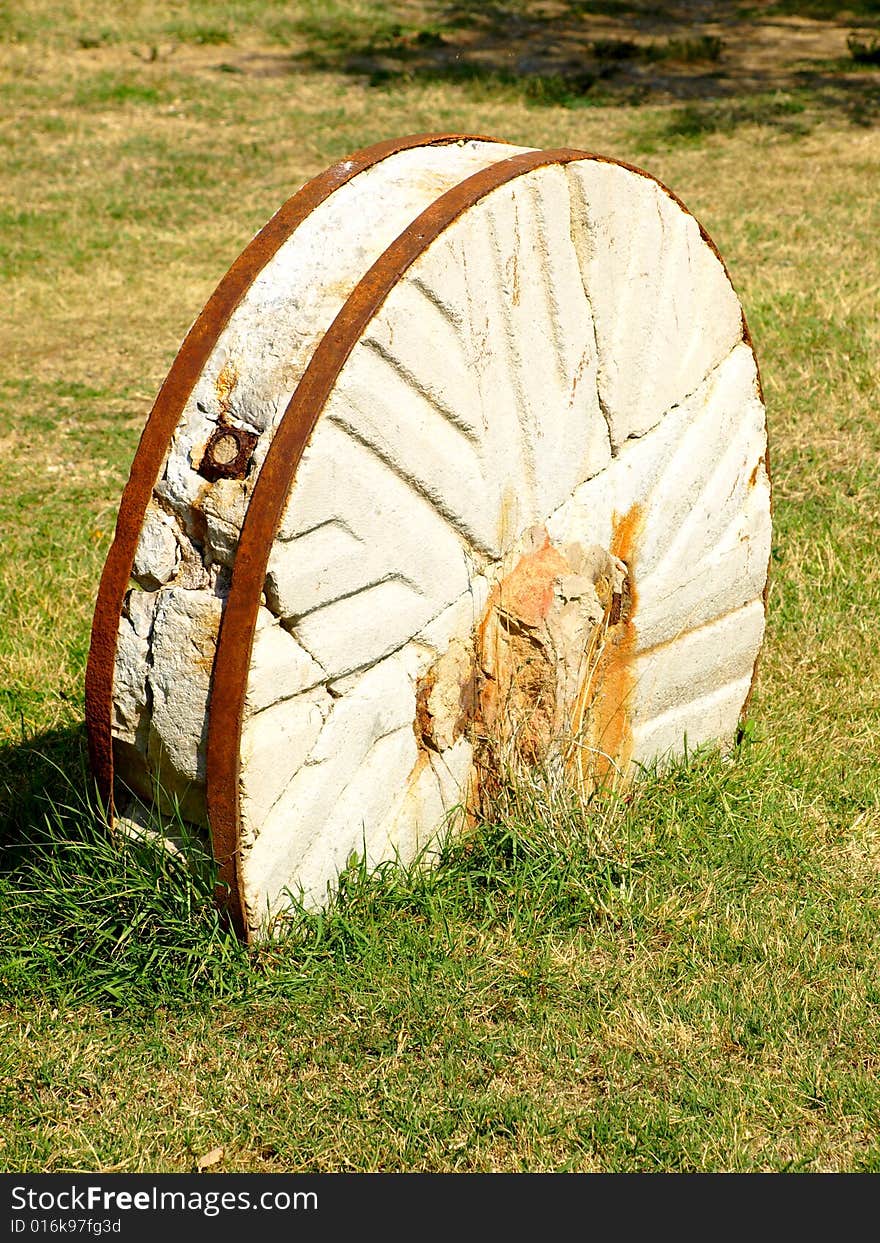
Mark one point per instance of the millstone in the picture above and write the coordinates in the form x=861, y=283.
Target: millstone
x=467, y=453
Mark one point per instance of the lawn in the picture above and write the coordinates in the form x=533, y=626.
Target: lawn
x=685, y=979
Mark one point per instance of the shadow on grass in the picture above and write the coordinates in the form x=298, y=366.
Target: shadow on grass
x=92, y=916
x=724, y=61
x=36, y=774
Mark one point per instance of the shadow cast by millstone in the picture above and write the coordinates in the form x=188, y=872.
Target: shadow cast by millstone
x=35, y=773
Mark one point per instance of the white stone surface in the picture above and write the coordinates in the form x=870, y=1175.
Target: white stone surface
x=664, y=309
x=289, y=728
x=701, y=480
x=471, y=409
x=311, y=818
x=272, y=334
x=130, y=702
x=183, y=646
x=280, y=667
x=157, y=553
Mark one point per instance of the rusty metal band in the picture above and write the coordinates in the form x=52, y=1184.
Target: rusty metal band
x=270, y=495
x=194, y=353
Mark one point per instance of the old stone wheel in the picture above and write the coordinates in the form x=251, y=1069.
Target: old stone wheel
x=476, y=457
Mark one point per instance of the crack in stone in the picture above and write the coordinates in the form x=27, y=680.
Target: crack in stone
x=288, y=629
x=703, y=382
x=580, y=240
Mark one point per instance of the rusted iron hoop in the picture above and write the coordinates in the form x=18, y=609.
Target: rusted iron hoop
x=267, y=504
x=163, y=420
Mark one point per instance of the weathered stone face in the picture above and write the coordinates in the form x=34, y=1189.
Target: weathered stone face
x=533, y=514
x=525, y=684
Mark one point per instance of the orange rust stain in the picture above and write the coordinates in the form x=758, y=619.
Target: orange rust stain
x=516, y=694
x=224, y=385
x=625, y=532
x=517, y=691
x=753, y=477
x=422, y=762
x=603, y=704
x=198, y=521
x=505, y=660
x=527, y=591
x=446, y=698
x=424, y=723
x=202, y=638
x=490, y=646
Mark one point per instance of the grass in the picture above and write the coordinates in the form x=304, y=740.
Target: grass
x=684, y=981
x=633, y=989
x=701, y=48
x=864, y=51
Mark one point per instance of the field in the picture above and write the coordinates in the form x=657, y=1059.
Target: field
x=685, y=980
